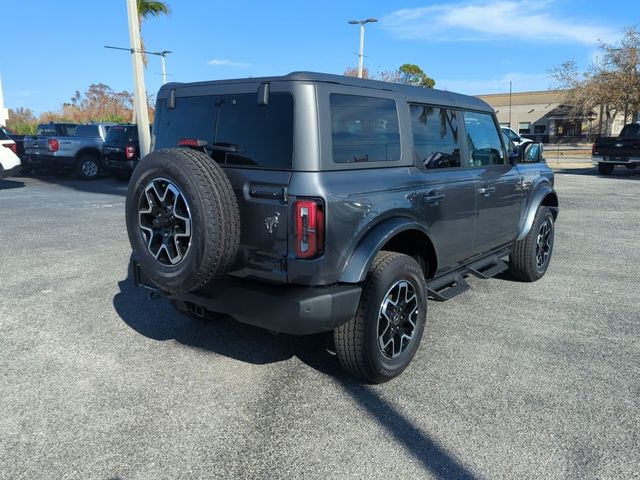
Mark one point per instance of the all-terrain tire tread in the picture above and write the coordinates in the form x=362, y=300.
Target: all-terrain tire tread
x=520, y=264
x=349, y=337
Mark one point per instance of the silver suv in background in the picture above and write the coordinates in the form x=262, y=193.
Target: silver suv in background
x=79, y=149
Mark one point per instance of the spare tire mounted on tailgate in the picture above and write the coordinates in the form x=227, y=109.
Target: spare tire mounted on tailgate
x=182, y=219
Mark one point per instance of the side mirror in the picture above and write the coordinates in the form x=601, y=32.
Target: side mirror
x=531, y=152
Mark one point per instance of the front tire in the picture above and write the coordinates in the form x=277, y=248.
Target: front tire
x=530, y=257
x=605, y=168
x=380, y=342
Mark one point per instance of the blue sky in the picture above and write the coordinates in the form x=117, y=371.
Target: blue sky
x=50, y=49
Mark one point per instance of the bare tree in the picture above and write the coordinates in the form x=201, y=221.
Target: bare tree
x=611, y=82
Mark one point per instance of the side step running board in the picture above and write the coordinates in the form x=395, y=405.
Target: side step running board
x=449, y=291
x=453, y=283
x=490, y=270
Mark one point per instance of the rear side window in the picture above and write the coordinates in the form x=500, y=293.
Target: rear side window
x=435, y=136
x=485, y=147
x=239, y=131
x=52, y=130
x=3, y=135
x=364, y=129
x=122, y=134
x=87, y=131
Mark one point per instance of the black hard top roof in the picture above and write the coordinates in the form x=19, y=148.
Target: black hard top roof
x=418, y=94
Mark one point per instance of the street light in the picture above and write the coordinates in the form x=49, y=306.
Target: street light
x=161, y=54
x=361, y=54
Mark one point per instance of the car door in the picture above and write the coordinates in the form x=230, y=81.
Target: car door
x=498, y=183
x=445, y=189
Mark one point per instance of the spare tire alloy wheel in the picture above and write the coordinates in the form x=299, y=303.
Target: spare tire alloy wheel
x=183, y=220
x=165, y=221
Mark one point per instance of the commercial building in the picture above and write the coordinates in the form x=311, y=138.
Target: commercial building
x=544, y=117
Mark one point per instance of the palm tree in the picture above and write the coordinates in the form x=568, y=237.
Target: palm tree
x=147, y=9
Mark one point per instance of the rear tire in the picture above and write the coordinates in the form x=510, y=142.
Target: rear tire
x=182, y=219
x=374, y=346
x=605, y=168
x=89, y=167
x=530, y=257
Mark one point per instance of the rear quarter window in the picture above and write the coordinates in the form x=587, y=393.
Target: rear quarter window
x=245, y=133
x=364, y=129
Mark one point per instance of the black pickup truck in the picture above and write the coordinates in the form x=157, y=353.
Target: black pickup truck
x=624, y=149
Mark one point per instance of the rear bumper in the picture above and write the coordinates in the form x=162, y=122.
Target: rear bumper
x=297, y=310
x=615, y=160
x=10, y=172
x=48, y=161
x=120, y=165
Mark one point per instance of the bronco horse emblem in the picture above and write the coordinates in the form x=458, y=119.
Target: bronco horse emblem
x=271, y=222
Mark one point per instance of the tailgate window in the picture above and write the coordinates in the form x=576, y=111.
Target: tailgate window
x=121, y=134
x=238, y=130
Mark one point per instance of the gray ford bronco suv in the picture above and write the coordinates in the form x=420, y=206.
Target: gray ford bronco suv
x=311, y=203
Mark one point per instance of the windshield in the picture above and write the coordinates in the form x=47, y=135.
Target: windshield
x=240, y=131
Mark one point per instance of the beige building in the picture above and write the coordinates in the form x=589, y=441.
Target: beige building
x=543, y=117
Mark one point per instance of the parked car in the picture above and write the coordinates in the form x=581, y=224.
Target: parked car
x=80, y=151
x=9, y=162
x=624, y=149
x=515, y=137
x=312, y=202
x=18, y=139
x=121, y=150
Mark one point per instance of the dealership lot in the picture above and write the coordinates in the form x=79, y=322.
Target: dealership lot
x=512, y=380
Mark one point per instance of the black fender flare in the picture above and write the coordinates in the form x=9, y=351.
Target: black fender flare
x=362, y=257
x=545, y=195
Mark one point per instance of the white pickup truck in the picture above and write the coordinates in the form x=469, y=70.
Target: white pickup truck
x=64, y=148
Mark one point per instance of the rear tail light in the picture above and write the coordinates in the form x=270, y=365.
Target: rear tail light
x=309, y=225
x=191, y=142
x=130, y=151
x=53, y=145
x=12, y=147
x=593, y=149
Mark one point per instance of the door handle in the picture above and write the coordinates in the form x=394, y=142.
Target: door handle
x=433, y=198
x=486, y=191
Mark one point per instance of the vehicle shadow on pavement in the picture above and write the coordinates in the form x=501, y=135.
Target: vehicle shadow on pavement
x=10, y=184
x=158, y=320
x=103, y=185
x=620, y=173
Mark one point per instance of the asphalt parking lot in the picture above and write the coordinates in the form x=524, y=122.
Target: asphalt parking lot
x=512, y=380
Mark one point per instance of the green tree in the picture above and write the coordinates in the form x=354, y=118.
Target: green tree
x=413, y=75
x=408, y=74
x=148, y=9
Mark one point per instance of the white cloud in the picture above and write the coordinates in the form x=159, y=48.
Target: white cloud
x=521, y=82
x=219, y=62
x=472, y=21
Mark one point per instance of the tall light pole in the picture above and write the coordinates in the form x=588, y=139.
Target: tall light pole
x=140, y=92
x=161, y=54
x=361, y=54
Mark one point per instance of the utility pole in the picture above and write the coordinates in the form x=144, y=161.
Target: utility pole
x=361, y=54
x=510, y=104
x=140, y=92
